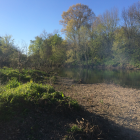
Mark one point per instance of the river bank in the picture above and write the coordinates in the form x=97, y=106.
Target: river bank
x=38, y=110
x=103, y=66
x=115, y=103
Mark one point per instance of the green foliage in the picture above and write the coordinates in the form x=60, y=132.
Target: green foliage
x=75, y=128
x=35, y=46
x=105, y=42
x=13, y=97
x=8, y=52
x=29, y=91
x=13, y=84
x=50, y=50
x=19, y=98
x=7, y=74
x=89, y=40
x=74, y=104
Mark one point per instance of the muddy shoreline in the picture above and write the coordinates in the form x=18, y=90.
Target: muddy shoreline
x=117, y=104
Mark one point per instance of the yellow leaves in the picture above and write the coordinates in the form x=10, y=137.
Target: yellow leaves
x=62, y=95
x=70, y=25
x=31, y=81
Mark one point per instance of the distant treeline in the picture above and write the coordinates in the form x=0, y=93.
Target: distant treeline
x=106, y=39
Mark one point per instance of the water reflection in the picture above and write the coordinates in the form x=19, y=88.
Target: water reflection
x=125, y=78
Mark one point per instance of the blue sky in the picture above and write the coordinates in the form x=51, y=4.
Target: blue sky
x=25, y=19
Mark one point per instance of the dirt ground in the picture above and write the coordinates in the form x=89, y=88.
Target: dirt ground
x=113, y=102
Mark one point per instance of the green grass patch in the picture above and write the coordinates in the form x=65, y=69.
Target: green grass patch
x=75, y=128
x=24, y=76
x=18, y=98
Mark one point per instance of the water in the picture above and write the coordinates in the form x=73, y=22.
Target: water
x=125, y=78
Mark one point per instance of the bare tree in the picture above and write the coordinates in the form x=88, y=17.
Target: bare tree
x=131, y=18
x=109, y=19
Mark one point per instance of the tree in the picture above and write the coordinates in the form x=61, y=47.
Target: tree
x=136, y=12
x=47, y=50
x=77, y=16
x=120, y=50
x=35, y=51
x=131, y=29
x=54, y=48
x=131, y=16
x=110, y=20
x=102, y=35
x=84, y=37
x=72, y=38
x=8, y=51
x=35, y=46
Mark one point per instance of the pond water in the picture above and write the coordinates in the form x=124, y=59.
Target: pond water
x=125, y=78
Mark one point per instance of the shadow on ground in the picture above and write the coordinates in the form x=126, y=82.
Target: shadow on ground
x=45, y=122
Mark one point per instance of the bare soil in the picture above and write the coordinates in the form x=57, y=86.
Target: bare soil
x=121, y=106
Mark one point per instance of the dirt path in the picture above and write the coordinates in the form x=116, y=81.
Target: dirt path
x=118, y=104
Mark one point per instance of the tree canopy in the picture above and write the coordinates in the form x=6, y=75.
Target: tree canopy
x=89, y=40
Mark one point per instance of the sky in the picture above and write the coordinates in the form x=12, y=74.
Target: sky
x=25, y=19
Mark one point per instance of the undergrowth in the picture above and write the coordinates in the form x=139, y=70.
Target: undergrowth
x=17, y=97
x=24, y=76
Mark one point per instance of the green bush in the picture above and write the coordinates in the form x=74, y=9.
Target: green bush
x=13, y=84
